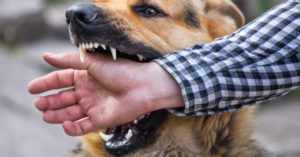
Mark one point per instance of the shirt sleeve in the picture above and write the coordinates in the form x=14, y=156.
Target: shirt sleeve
x=259, y=62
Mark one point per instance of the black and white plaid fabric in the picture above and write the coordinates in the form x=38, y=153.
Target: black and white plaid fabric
x=259, y=62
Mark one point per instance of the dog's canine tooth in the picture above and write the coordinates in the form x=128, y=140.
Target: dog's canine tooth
x=141, y=58
x=105, y=137
x=113, y=52
x=135, y=121
x=129, y=134
x=103, y=46
x=82, y=52
x=96, y=45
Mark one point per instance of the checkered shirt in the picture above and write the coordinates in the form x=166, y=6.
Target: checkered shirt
x=258, y=62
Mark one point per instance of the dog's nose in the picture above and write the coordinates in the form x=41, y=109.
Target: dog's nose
x=82, y=14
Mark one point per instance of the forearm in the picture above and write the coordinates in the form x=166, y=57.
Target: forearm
x=259, y=62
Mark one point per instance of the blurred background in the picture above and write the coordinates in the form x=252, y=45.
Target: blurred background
x=29, y=28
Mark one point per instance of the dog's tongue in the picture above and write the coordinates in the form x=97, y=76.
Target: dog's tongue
x=82, y=53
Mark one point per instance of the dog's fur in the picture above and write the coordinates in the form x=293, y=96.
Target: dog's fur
x=190, y=22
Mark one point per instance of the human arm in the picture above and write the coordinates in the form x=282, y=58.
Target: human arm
x=259, y=62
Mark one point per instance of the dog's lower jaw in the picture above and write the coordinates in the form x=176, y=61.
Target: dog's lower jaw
x=226, y=135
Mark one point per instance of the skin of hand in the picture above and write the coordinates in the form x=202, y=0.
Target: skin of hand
x=108, y=92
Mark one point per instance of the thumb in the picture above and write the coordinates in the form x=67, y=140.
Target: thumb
x=70, y=60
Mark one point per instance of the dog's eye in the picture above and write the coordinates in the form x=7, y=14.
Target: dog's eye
x=151, y=11
x=148, y=11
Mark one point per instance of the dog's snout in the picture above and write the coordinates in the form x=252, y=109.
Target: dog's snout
x=82, y=14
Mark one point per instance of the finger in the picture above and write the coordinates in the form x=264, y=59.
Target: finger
x=54, y=80
x=70, y=60
x=71, y=113
x=56, y=101
x=78, y=128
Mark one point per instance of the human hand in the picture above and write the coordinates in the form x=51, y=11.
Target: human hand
x=108, y=92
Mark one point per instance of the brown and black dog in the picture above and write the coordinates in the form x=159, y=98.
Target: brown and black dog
x=142, y=30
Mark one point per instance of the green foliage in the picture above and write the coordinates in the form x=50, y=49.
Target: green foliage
x=263, y=5
x=55, y=1
x=295, y=93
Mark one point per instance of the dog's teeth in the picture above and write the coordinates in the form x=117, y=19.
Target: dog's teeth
x=82, y=52
x=135, y=121
x=129, y=134
x=141, y=117
x=87, y=45
x=141, y=58
x=91, y=45
x=83, y=45
x=103, y=46
x=105, y=137
x=96, y=45
x=113, y=52
x=123, y=142
x=108, y=143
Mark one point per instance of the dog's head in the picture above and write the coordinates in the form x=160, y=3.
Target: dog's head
x=142, y=30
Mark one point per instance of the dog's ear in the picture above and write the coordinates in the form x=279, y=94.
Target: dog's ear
x=222, y=15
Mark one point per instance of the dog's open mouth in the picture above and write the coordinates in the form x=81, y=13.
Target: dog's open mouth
x=95, y=47
x=130, y=137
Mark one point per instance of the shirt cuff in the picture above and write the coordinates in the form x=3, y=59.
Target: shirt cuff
x=199, y=85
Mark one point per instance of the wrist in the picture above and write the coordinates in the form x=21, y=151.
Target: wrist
x=164, y=91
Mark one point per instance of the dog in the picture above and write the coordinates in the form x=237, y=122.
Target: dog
x=142, y=30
